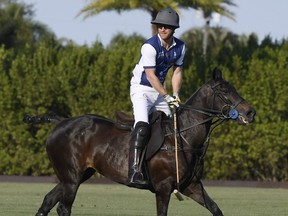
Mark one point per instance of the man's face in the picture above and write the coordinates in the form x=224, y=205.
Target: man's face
x=165, y=31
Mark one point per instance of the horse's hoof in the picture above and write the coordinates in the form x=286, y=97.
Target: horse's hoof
x=218, y=213
x=40, y=214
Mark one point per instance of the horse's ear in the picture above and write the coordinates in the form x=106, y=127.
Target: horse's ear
x=216, y=74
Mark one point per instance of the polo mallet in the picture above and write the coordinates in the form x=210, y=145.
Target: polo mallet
x=176, y=191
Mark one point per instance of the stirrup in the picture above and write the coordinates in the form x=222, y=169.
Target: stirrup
x=137, y=179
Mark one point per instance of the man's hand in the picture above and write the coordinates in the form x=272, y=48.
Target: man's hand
x=177, y=98
x=172, y=101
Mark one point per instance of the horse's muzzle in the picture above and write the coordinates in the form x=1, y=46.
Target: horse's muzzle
x=247, y=117
x=251, y=115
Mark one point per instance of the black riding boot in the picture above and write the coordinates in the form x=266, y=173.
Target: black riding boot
x=139, y=138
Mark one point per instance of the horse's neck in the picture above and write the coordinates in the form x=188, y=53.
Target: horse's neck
x=200, y=99
x=192, y=116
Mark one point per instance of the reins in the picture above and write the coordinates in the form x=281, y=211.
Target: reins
x=209, y=112
x=227, y=112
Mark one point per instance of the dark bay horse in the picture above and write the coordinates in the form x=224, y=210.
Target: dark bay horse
x=79, y=146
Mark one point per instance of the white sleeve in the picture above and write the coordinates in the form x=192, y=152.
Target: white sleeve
x=148, y=56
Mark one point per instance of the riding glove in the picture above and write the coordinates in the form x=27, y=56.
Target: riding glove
x=172, y=101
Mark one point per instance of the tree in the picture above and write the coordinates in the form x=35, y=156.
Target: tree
x=18, y=28
x=208, y=8
x=94, y=7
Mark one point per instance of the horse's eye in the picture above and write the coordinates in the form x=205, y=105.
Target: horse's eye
x=224, y=89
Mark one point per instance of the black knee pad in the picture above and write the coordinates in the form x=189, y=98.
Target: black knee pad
x=141, y=134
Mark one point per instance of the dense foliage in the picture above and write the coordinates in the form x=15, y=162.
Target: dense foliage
x=40, y=76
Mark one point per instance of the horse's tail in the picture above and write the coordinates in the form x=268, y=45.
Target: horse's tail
x=42, y=119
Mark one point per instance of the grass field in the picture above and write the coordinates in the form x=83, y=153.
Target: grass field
x=23, y=199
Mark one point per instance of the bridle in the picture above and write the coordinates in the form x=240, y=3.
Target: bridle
x=229, y=106
x=228, y=110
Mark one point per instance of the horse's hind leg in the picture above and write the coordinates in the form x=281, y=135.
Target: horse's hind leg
x=64, y=193
x=69, y=192
x=67, y=199
x=198, y=194
x=50, y=200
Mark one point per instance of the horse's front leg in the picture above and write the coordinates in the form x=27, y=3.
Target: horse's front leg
x=163, y=193
x=162, y=200
x=197, y=192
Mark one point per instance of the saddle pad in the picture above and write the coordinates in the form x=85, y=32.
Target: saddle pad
x=157, y=135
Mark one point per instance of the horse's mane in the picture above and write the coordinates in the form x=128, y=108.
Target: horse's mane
x=195, y=94
x=187, y=102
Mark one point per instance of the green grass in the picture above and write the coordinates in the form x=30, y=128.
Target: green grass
x=23, y=199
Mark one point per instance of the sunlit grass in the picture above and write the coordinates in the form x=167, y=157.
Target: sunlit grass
x=23, y=199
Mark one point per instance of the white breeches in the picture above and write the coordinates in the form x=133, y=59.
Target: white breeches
x=146, y=100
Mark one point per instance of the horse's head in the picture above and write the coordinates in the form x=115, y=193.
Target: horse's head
x=227, y=100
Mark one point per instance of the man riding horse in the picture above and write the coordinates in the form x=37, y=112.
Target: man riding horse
x=147, y=90
x=80, y=146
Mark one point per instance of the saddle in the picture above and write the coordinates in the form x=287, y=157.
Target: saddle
x=156, y=119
